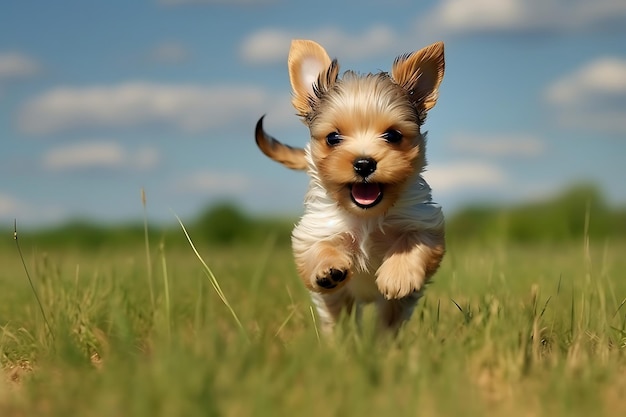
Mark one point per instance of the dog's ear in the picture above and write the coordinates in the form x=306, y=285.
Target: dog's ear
x=311, y=73
x=420, y=74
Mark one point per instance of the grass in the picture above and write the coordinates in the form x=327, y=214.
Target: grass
x=503, y=330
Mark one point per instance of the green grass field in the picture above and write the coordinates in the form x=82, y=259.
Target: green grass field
x=504, y=329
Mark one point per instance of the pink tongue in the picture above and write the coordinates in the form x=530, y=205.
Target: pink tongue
x=365, y=193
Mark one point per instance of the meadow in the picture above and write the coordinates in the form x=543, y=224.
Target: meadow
x=507, y=327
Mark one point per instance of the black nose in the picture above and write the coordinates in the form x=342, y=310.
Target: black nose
x=364, y=166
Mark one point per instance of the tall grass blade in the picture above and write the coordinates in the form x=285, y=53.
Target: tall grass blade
x=213, y=280
x=284, y=323
x=30, y=281
x=571, y=329
x=166, y=290
x=317, y=333
x=457, y=306
x=619, y=308
x=545, y=306
x=147, y=244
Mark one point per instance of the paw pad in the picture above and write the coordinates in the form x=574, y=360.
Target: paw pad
x=332, y=278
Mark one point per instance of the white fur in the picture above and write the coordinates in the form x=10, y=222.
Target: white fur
x=323, y=218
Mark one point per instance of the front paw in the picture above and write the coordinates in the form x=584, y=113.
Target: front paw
x=331, y=278
x=397, y=280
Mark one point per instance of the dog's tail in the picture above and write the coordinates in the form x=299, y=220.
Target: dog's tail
x=290, y=157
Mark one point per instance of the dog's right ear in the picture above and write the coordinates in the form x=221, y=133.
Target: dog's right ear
x=420, y=74
x=311, y=72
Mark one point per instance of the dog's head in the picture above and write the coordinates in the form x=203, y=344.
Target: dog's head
x=366, y=142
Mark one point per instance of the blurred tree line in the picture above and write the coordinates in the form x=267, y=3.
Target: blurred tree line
x=580, y=211
x=222, y=224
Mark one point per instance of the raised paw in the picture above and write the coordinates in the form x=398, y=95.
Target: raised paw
x=409, y=263
x=398, y=278
x=331, y=279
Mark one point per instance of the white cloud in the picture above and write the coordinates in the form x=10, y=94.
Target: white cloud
x=272, y=45
x=169, y=53
x=593, y=96
x=16, y=65
x=463, y=175
x=604, y=76
x=9, y=205
x=266, y=46
x=14, y=208
x=144, y=158
x=507, y=16
x=99, y=154
x=507, y=145
x=213, y=182
x=192, y=108
x=464, y=15
x=218, y=2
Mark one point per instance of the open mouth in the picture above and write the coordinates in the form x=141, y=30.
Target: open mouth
x=365, y=194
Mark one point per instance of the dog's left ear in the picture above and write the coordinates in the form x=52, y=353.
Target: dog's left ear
x=311, y=73
x=420, y=74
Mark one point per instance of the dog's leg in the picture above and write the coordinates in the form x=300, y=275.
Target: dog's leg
x=330, y=306
x=409, y=263
x=393, y=313
x=324, y=266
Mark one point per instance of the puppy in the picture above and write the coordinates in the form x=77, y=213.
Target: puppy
x=370, y=232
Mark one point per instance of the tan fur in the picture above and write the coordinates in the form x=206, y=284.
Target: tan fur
x=290, y=157
x=409, y=262
x=307, y=60
x=320, y=258
x=361, y=120
x=421, y=73
x=346, y=250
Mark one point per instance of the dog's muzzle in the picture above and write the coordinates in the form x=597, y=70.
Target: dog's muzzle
x=364, y=167
x=366, y=194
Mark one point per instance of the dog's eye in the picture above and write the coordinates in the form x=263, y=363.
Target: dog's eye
x=392, y=136
x=333, y=139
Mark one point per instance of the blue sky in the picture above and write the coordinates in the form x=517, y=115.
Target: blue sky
x=101, y=99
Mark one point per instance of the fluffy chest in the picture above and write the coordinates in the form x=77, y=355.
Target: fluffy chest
x=367, y=240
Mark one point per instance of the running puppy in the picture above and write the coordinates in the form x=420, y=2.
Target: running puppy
x=370, y=232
